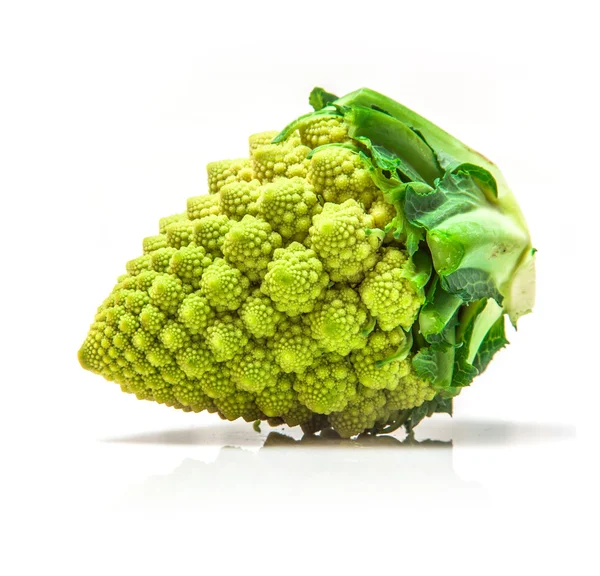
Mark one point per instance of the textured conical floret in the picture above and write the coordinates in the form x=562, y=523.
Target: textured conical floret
x=329, y=280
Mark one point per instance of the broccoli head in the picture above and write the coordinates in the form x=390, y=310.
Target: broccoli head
x=354, y=272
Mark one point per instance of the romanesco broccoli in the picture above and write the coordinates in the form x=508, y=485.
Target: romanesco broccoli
x=353, y=272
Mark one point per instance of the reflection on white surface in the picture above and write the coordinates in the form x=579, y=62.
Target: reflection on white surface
x=235, y=465
x=226, y=499
x=465, y=432
x=294, y=473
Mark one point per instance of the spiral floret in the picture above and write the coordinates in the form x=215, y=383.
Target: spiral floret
x=361, y=413
x=295, y=279
x=411, y=390
x=254, y=368
x=226, y=337
x=239, y=198
x=225, y=172
x=293, y=345
x=224, y=286
x=327, y=385
x=249, y=245
x=388, y=292
x=285, y=159
x=288, y=205
x=338, y=235
x=339, y=320
x=259, y=315
x=338, y=174
x=379, y=364
x=279, y=398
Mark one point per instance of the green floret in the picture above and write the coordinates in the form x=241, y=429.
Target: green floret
x=261, y=139
x=338, y=321
x=388, y=292
x=324, y=130
x=239, y=198
x=158, y=355
x=195, y=359
x=137, y=265
x=293, y=346
x=195, y=313
x=338, y=174
x=285, y=159
x=92, y=356
x=120, y=295
x=288, y=205
x=211, y=231
x=142, y=340
x=173, y=374
x=225, y=172
x=216, y=383
x=254, y=368
x=121, y=341
x=224, y=286
x=295, y=279
x=152, y=318
x=152, y=243
x=180, y=233
x=259, y=315
x=129, y=323
x=145, y=279
x=155, y=382
x=249, y=245
x=239, y=404
x=126, y=282
x=190, y=393
x=411, y=390
x=166, y=293
x=297, y=415
x=383, y=214
x=361, y=414
x=165, y=222
x=188, y=264
x=161, y=259
x=279, y=398
x=174, y=336
x=327, y=385
x=226, y=337
x=202, y=206
x=379, y=364
x=136, y=300
x=113, y=314
x=338, y=235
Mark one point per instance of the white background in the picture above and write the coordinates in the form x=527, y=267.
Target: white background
x=109, y=112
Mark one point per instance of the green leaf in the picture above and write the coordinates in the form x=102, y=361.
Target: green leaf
x=319, y=98
x=438, y=314
x=468, y=215
x=436, y=364
x=392, y=144
x=438, y=405
x=456, y=193
x=394, y=192
x=495, y=340
x=471, y=284
x=418, y=271
x=479, y=335
x=400, y=354
x=482, y=177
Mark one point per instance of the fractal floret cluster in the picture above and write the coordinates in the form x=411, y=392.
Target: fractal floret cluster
x=307, y=286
